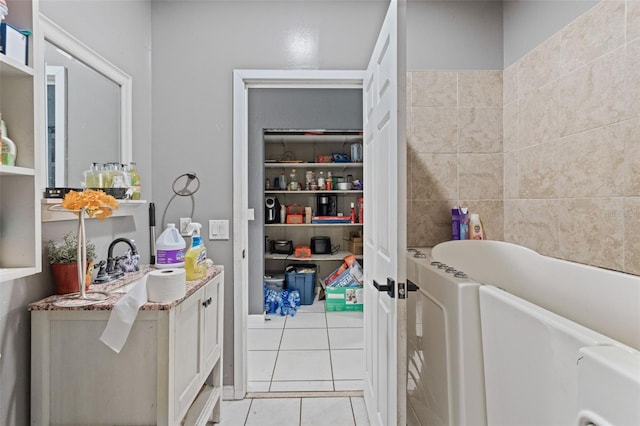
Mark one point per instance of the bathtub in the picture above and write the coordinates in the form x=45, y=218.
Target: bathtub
x=559, y=340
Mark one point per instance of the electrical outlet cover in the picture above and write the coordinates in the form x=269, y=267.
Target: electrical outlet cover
x=184, y=225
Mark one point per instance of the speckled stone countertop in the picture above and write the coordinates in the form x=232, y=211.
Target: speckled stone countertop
x=47, y=304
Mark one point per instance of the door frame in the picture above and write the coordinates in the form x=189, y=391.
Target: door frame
x=243, y=81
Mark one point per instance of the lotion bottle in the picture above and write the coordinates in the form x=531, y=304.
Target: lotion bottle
x=475, y=227
x=195, y=261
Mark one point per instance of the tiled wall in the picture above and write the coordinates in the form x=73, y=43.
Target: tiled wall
x=454, y=151
x=561, y=126
x=572, y=141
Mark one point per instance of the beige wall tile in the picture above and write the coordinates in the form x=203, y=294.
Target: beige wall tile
x=540, y=66
x=408, y=89
x=632, y=235
x=492, y=216
x=633, y=19
x=434, y=177
x=434, y=88
x=593, y=95
x=632, y=157
x=633, y=77
x=591, y=232
x=510, y=84
x=512, y=233
x=511, y=190
x=536, y=170
x=510, y=124
x=479, y=88
x=589, y=164
x=536, y=224
x=434, y=130
x=429, y=223
x=480, y=176
x=480, y=130
x=596, y=32
x=539, y=116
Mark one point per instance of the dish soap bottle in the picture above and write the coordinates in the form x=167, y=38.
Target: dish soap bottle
x=195, y=261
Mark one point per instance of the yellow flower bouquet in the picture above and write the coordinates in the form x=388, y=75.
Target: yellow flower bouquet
x=94, y=202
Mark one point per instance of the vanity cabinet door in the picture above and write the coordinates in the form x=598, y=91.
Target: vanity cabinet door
x=213, y=322
x=187, y=350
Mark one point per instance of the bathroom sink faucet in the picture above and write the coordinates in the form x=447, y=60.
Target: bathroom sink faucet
x=113, y=267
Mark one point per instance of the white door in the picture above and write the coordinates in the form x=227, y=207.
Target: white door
x=385, y=230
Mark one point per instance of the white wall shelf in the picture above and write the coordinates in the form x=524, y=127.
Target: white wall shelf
x=16, y=171
x=9, y=67
x=125, y=208
x=314, y=257
x=270, y=165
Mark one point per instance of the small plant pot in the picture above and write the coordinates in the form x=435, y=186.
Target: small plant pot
x=65, y=277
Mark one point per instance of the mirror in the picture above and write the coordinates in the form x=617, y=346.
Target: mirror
x=88, y=109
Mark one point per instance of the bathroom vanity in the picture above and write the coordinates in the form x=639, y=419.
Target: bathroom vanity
x=169, y=371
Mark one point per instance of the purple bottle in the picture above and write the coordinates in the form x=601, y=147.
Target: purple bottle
x=455, y=223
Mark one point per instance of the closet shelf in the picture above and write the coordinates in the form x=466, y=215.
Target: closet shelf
x=313, y=165
x=314, y=257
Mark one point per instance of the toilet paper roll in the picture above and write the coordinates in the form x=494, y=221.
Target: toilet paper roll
x=166, y=285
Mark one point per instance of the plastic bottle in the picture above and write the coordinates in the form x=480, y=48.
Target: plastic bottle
x=195, y=261
x=321, y=181
x=170, y=248
x=92, y=177
x=353, y=213
x=7, y=148
x=329, y=182
x=293, y=181
x=283, y=182
x=475, y=227
x=455, y=223
x=464, y=223
x=135, y=180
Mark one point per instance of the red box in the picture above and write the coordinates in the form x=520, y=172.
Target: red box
x=303, y=251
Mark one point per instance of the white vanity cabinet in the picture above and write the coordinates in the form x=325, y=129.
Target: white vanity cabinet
x=169, y=371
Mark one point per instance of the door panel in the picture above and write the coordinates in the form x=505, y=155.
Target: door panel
x=384, y=230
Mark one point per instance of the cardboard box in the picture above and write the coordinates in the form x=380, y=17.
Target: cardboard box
x=348, y=274
x=13, y=43
x=344, y=298
x=355, y=242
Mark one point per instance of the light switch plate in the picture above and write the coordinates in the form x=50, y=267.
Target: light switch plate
x=218, y=229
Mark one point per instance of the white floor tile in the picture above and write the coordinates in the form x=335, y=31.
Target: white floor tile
x=234, y=413
x=260, y=365
x=274, y=412
x=300, y=338
x=271, y=321
x=359, y=411
x=258, y=386
x=303, y=365
x=302, y=386
x=349, y=385
x=318, y=306
x=344, y=319
x=308, y=320
x=346, y=338
x=263, y=339
x=348, y=364
x=326, y=412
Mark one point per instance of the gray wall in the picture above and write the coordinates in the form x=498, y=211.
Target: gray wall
x=287, y=109
x=454, y=35
x=121, y=32
x=197, y=45
x=527, y=23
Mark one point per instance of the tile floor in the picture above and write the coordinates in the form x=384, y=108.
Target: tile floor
x=339, y=411
x=312, y=351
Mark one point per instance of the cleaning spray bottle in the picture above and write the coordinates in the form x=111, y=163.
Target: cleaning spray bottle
x=195, y=261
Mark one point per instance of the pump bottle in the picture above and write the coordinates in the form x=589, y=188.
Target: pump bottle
x=195, y=261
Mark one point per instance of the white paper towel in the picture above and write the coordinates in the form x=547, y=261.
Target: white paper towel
x=165, y=285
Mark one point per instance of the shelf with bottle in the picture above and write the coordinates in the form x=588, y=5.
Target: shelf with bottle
x=10, y=67
x=311, y=225
x=294, y=165
x=16, y=171
x=281, y=136
x=318, y=191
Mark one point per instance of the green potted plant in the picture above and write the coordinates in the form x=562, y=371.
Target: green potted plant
x=64, y=263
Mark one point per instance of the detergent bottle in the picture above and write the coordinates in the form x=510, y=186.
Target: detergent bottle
x=195, y=261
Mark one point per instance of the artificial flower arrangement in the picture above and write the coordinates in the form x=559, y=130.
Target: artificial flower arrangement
x=94, y=202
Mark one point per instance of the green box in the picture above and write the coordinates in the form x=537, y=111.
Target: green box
x=344, y=298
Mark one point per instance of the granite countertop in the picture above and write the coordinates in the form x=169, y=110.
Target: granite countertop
x=47, y=304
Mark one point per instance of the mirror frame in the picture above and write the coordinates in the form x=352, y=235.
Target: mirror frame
x=57, y=36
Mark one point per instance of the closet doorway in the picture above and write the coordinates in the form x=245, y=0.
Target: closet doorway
x=248, y=260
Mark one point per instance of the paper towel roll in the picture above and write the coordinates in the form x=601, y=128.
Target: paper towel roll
x=166, y=285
